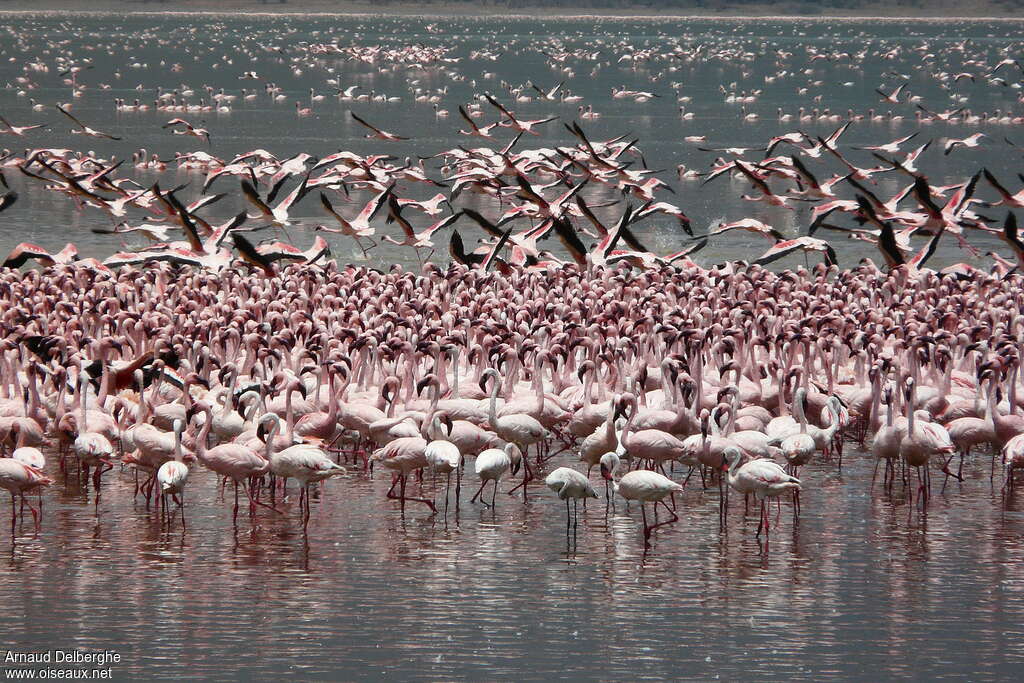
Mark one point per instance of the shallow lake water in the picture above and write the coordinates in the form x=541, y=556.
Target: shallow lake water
x=864, y=586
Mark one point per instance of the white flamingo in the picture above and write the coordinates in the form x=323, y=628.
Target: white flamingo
x=645, y=486
x=570, y=484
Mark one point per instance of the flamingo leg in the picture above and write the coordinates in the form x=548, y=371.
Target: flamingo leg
x=458, y=486
x=253, y=501
x=672, y=520
x=761, y=522
x=429, y=503
x=478, y=492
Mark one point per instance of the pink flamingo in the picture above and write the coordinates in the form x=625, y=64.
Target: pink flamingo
x=18, y=478
x=764, y=478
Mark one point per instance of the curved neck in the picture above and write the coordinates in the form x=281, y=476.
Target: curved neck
x=629, y=425
x=203, y=433
x=274, y=429
x=734, y=465
x=716, y=430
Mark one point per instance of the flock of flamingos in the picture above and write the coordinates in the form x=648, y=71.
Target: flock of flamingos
x=560, y=340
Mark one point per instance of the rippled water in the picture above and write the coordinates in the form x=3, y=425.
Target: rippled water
x=865, y=586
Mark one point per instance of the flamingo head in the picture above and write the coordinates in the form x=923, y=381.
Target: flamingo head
x=196, y=408
x=515, y=455
x=730, y=456
x=262, y=429
x=427, y=381
x=609, y=463
x=624, y=403
x=705, y=422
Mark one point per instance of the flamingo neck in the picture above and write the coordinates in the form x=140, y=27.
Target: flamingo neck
x=274, y=429
x=204, y=432
x=1012, y=394
x=492, y=412
x=289, y=414
x=455, y=374
x=798, y=412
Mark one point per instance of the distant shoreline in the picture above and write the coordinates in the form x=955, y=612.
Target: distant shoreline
x=986, y=10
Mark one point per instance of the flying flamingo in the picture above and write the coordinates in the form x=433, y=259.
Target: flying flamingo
x=84, y=129
x=358, y=227
x=20, y=130
x=377, y=133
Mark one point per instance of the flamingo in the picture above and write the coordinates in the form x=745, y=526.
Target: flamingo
x=93, y=449
x=521, y=429
x=923, y=440
x=404, y=455
x=18, y=478
x=443, y=456
x=83, y=129
x=377, y=133
x=304, y=462
x=645, y=486
x=173, y=475
x=764, y=478
x=234, y=461
x=492, y=464
x=568, y=484
x=885, y=445
x=1013, y=459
